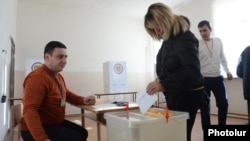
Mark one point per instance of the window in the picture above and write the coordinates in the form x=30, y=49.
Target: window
x=232, y=25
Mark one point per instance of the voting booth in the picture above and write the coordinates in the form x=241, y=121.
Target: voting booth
x=134, y=126
x=115, y=77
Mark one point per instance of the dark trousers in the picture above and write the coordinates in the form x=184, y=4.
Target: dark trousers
x=217, y=86
x=190, y=102
x=66, y=131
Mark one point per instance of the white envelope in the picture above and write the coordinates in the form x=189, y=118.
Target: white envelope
x=145, y=101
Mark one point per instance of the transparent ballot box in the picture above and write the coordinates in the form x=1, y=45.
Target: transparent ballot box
x=152, y=126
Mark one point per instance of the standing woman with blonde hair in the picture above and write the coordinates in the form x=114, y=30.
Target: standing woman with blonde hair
x=178, y=66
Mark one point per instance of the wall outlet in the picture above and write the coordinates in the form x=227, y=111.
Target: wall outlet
x=3, y=99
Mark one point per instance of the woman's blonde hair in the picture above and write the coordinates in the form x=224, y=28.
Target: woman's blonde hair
x=161, y=16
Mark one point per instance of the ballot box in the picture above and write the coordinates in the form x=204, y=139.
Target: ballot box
x=134, y=126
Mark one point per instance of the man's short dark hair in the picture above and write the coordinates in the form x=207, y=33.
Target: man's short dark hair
x=49, y=48
x=204, y=22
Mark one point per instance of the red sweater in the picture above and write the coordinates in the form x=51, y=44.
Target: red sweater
x=42, y=99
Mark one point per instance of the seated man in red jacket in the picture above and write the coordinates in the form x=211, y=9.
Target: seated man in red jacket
x=44, y=99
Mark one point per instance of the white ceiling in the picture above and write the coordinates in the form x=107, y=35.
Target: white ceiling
x=133, y=8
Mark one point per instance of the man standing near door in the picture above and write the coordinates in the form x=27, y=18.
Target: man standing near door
x=243, y=71
x=211, y=57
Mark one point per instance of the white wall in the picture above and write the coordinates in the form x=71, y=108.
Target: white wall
x=92, y=38
x=7, y=29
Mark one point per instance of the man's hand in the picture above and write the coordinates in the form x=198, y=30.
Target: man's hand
x=229, y=76
x=89, y=100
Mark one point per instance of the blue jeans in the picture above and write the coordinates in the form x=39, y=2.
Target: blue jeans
x=217, y=86
x=66, y=131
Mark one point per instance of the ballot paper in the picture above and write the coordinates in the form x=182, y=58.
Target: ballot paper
x=104, y=106
x=145, y=101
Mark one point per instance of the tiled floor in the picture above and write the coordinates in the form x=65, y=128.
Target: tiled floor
x=197, y=134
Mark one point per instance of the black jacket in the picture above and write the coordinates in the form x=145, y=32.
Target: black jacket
x=243, y=71
x=178, y=65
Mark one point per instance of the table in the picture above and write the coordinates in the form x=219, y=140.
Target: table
x=97, y=114
x=15, y=98
x=120, y=93
x=12, y=99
